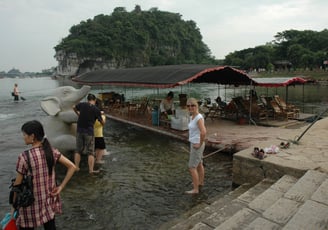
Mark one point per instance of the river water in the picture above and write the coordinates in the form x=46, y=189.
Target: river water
x=144, y=177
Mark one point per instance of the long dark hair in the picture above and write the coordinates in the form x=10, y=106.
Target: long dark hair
x=36, y=128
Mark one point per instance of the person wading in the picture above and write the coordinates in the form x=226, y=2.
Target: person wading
x=197, y=133
x=87, y=113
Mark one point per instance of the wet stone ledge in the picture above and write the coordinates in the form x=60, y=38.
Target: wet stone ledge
x=248, y=169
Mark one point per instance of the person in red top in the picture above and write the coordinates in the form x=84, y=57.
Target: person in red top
x=43, y=159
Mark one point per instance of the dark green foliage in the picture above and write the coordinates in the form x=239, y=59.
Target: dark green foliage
x=303, y=49
x=137, y=38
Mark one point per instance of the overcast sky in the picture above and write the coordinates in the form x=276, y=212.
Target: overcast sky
x=30, y=29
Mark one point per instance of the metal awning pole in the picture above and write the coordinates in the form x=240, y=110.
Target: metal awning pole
x=303, y=98
x=250, y=107
x=225, y=93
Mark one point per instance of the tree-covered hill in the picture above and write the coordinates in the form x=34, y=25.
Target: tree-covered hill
x=136, y=38
x=291, y=49
x=153, y=37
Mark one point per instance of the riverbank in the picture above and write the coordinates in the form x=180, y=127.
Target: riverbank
x=284, y=190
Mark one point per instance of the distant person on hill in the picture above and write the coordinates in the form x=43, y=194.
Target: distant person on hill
x=87, y=113
x=16, y=92
x=167, y=105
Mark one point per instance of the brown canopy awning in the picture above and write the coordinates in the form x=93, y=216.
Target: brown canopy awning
x=170, y=76
x=166, y=76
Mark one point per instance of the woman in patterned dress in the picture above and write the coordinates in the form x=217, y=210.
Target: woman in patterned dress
x=43, y=159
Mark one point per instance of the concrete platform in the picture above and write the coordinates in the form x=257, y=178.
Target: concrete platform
x=309, y=153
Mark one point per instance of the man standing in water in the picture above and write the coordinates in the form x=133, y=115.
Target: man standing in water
x=88, y=113
x=16, y=92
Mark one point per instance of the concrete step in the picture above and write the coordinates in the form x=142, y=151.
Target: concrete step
x=288, y=204
x=227, y=204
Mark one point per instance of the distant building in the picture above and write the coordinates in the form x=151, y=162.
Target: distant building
x=282, y=65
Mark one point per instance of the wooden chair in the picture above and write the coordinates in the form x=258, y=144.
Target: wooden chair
x=287, y=107
x=242, y=110
x=214, y=111
x=132, y=109
x=257, y=112
x=266, y=104
x=278, y=112
x=230, y=110
x=143, y=107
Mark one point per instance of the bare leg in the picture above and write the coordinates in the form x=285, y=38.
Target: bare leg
x=91, y=163
x=201, y=173
x=195, y=181
x=99, y=155
x=77, y=159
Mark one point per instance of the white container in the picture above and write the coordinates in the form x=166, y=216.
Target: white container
x=180, y=123
x=181, y=113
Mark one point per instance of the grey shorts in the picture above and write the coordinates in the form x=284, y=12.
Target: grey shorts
x=85, y=144
x=195, y=156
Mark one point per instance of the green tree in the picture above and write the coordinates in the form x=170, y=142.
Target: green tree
x=304, y=49
x=137, y=38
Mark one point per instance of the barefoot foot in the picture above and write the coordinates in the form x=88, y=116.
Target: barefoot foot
x=191, y=192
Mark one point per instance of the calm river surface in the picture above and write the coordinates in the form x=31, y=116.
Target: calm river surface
x=145, y=175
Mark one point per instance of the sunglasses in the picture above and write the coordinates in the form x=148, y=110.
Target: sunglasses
x=192, y=105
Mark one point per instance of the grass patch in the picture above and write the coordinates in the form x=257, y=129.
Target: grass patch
x=319, y=75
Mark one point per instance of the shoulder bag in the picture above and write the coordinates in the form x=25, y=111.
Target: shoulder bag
x=24, y=191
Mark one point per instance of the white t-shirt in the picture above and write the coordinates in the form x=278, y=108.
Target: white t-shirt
x=194, y=132
x=166, y=105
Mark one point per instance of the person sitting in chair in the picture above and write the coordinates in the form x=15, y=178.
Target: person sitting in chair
x=220, y=103
x=167, y=105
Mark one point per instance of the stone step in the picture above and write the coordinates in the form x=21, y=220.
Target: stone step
x=313, y=214
x=206, y=217
x=289, y=203
x=286, y=204
x=242, y=218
